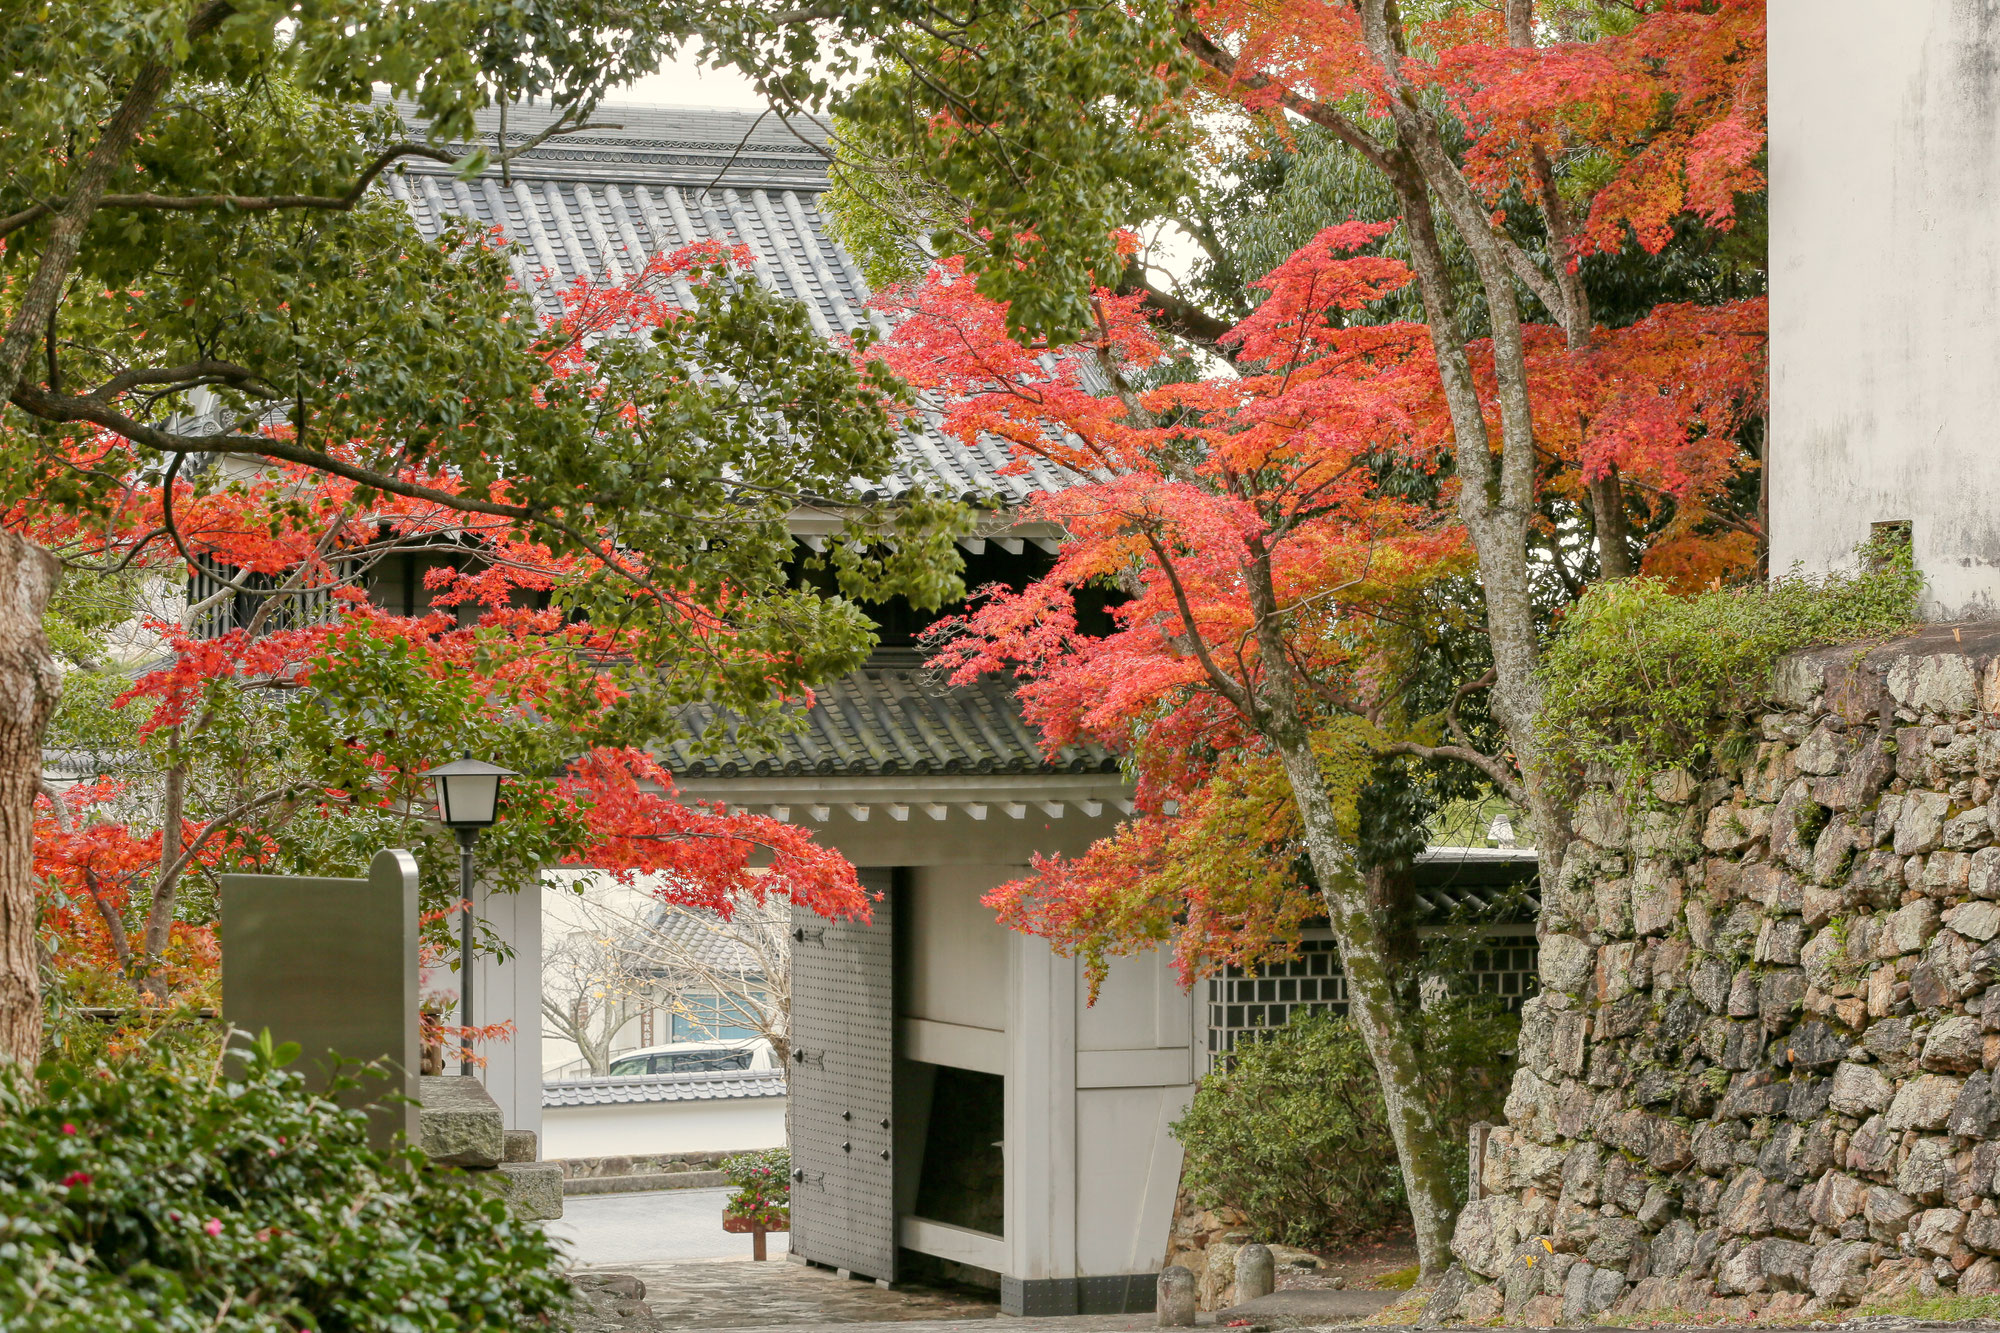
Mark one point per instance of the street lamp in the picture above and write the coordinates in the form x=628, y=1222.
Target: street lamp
x=468, y=791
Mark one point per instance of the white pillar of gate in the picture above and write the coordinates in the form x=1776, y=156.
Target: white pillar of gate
x=510, y=988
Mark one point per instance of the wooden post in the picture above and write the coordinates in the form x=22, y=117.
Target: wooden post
x=757, y=1244
x=1476, y=1152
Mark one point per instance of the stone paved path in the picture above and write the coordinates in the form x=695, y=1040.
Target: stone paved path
x=778, y=1294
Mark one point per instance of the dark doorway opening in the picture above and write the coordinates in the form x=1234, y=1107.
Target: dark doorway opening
x=963, y=1178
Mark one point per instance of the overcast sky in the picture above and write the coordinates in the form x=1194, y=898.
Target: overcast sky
x=679, y=83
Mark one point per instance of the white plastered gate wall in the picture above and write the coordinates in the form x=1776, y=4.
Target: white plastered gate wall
x=505, y=988
x=1091, y=1168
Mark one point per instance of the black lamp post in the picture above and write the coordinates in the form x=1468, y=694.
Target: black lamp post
x=468, y=792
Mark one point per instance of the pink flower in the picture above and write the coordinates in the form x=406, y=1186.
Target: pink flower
x=68, y=1128
x=213, y=1226
x=75, y=1178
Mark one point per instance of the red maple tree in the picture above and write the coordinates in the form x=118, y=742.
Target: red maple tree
x=1275, y=581
x=278, y=650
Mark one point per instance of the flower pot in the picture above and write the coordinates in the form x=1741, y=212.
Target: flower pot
x=742, y=1225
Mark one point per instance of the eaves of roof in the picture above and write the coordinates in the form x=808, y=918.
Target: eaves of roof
x=886, y=721
x=723, y=1085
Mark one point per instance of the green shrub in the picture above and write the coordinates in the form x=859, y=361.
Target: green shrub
x=160, y=1195
x=1294, y=1134
x=763, y=1183
x=1643, y=679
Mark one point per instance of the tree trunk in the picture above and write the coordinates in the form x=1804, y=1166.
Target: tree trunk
x=42, y=294
x=29, y=685
x=1495, y=504
x=1372, y=1006
x=160, y=911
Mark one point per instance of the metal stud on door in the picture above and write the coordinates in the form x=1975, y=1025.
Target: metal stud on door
x=841, y=1086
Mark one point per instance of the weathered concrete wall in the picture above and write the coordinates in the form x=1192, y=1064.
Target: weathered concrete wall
x=1885, y=286
x=1761, y=1074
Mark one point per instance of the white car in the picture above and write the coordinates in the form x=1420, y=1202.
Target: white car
x=690, y=1057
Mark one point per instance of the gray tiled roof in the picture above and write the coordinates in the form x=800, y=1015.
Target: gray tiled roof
x=1478, y=883
x=698, y=935
x=884, y=720
x=722, y=1085
x=600, y=204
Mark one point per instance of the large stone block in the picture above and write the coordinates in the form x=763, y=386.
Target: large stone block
x=1954, y=1043
x=1940, y=684
x=532, y=1189
x=1976, y=921
x=1839, y=1271
x=460, y=1123
x=1935, y=1231
x=1909, y=929
x=1983, y=873
x=1825, y=750
x=1888, y=1212
x=1484, y=1238
x=1920, y=823
x=1837, y=1197
x=1927, y=1172
x=1566, y=964
x=1925, y=1102
x=1859, y=1090
x=1656, y=903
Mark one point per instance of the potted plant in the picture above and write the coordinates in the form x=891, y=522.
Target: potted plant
x=763, y=1199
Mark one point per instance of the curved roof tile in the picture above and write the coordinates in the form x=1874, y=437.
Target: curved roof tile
x=722, y=1085
x=885, y=720
x=600, y=204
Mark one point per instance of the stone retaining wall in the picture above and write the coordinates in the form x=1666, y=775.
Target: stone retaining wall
x=1760, y=1076
x=588, y=1168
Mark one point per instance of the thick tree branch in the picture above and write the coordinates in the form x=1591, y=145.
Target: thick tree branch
x=268, y=203
x=1176, y=312
x=1501, y=774
x=1199, y=45
x=44, y=289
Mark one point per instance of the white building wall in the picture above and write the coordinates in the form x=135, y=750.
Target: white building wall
x=959, y=976
x=503, y=990
x=663, y=1128
x=1885, y=287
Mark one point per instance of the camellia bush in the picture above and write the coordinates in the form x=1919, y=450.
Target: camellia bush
x=763, y=1184
x=1293, y=1133
x=171, y=1194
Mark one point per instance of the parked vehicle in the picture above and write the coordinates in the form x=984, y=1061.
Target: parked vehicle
x=689, y=1057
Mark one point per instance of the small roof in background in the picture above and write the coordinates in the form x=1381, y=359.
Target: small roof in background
x=693, y=934
x=719, y=1085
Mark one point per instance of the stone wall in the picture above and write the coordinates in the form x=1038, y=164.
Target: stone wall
x=1761, y=1074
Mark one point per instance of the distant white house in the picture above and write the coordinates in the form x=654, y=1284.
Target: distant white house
x=629, y=973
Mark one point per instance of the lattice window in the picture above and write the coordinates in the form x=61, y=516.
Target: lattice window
x=1241, y=1006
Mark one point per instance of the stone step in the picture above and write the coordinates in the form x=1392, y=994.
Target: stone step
x=460, y=1123
x=534, y=1190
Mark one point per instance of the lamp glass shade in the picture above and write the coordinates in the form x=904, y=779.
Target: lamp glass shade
x=468, y=790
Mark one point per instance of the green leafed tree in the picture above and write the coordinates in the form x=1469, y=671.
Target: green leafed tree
x=200, y=280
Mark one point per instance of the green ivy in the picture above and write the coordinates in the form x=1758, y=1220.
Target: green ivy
x=1643, y=679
